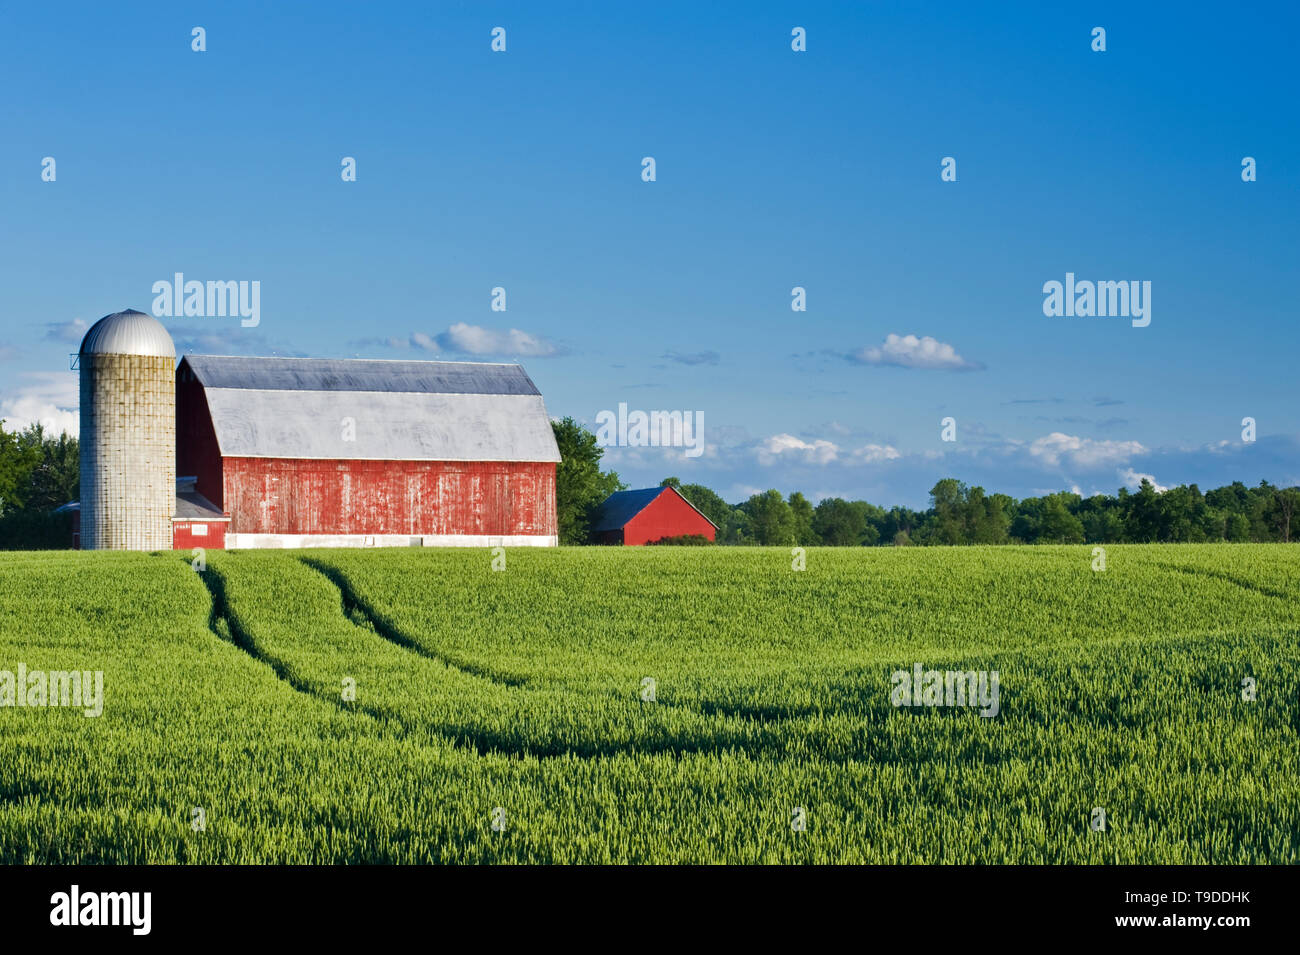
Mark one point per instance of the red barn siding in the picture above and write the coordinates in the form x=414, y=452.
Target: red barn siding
x=299, y=496
x=668, y=515
x=197, y=454
x=185, y=538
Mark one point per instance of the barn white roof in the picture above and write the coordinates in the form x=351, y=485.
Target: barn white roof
x=374, y=410
x=343, y=374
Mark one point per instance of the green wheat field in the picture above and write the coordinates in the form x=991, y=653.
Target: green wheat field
x=498, y=715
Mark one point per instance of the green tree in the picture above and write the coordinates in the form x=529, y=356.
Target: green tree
x=947, y=520
x=987, y=517
x=771, y=519
x=580, y=485
x=875, y=517
x=1236, y=528
x=1059, y=526
x=1262, y=528
x=1184, y=515
x=1234, y=498
x=801, y=514
x=1028, y=521
x=899, y=520
x=1101, y=524
x=872, y=518
x=740, y=529
x=56, y=479
x=1284, y=509
x=1142, y=522
x=838, y=523
x=20, y=455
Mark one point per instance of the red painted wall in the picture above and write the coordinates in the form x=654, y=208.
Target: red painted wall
x=668, y=515
x=299, y=496
x=197, y=454
x=184, y=538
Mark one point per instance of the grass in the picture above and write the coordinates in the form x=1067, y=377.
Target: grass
x=521, y=689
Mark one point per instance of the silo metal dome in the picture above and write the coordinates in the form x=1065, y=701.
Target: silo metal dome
x=128, y=433
x=128, y=333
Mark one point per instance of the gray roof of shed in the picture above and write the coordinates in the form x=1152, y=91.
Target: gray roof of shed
x=190, y=506
x=400, y=410
x=193, y=506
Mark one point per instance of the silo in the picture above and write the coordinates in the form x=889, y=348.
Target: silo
x=128, y=434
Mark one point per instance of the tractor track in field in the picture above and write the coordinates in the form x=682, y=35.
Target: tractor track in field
x=1229, y=578
x=354, y=605
x=765, y=736
x=225, y=625
x=220, y=619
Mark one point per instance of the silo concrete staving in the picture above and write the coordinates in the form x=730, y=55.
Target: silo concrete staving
x=128, y=434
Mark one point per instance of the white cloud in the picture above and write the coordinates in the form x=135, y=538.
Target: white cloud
x=51, y=400
x=71, y=332
x=1133, y=480
x=465, y=339
x=617, y=456
x=1082, y=452
x=696, y=358
x=909, y=351
x=875, y=453
x=787, y=447
x=211, y=339
x=476, y=340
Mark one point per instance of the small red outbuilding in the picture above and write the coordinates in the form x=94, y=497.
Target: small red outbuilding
x=197, y=522
x=647, y=515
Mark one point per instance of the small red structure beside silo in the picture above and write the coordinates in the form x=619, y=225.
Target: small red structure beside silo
x=210, y=535
x=643, y=516
x=196, y=521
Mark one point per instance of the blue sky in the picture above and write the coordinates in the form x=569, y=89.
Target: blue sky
x=775, y=169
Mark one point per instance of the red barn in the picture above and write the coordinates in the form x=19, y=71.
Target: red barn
x=651, y=514
x=322, y=452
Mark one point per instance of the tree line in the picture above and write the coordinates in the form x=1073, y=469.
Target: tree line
x=39, y=473
x=958, y=513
